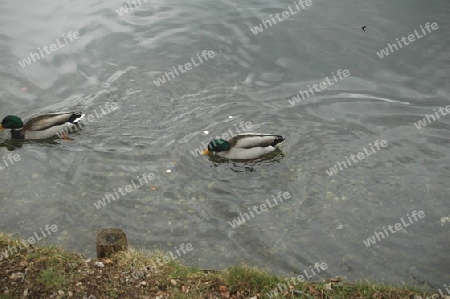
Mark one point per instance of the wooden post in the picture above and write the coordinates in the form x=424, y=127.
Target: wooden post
x=110, y=240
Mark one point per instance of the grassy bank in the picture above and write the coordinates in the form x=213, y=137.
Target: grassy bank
x=50, y=272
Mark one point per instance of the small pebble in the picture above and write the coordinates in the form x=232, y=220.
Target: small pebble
x=99, y=264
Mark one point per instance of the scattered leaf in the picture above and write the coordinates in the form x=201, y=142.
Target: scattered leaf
x=185, y=289
x=161, y=295
x=224, y=292
x=17, y=275
x=313, y=291
x=335, y=279
x=107, y=261
x=23, y=263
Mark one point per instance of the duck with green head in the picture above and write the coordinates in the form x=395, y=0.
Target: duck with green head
x=42, y=126
x=245, y=146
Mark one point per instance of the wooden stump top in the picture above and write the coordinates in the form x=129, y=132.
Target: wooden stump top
x=110, y=240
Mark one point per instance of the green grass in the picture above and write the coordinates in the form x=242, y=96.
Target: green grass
x=252, y=279
x=111, y=291
x=52, y=278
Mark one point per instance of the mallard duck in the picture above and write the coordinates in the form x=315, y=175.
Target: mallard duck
x=42, y=126
x=244, y=146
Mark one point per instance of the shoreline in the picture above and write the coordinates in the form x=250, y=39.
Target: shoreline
x=51, y=272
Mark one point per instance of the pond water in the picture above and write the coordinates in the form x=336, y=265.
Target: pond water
x=89, y=55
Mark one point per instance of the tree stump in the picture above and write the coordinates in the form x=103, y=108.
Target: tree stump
x=110, y=240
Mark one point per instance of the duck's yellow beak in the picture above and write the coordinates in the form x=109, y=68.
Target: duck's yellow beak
x=1, y=128
x=205, y=152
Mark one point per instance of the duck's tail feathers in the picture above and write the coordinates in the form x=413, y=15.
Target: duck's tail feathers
x=75, y=117
x=278, y=141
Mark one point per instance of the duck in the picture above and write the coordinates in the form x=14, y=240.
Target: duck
x=244, y=146
x=42, y=126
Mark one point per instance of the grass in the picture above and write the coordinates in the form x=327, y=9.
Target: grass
x=52, y=278
x=50, y=272
x=252, y=279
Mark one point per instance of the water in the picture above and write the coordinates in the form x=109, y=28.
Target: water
x=251, y=77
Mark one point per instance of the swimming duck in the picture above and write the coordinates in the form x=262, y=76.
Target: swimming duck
x=245, y=146
x=42, y=126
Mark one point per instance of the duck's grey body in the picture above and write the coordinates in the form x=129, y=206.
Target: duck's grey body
x=251, y=146
x=48, y=125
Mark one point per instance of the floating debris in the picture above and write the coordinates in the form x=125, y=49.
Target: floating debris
x=445, y=220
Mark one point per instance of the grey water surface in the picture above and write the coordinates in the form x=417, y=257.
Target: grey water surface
x=251, y=77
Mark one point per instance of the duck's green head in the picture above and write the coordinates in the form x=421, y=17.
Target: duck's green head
x=217, y=145
x=11, y=122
